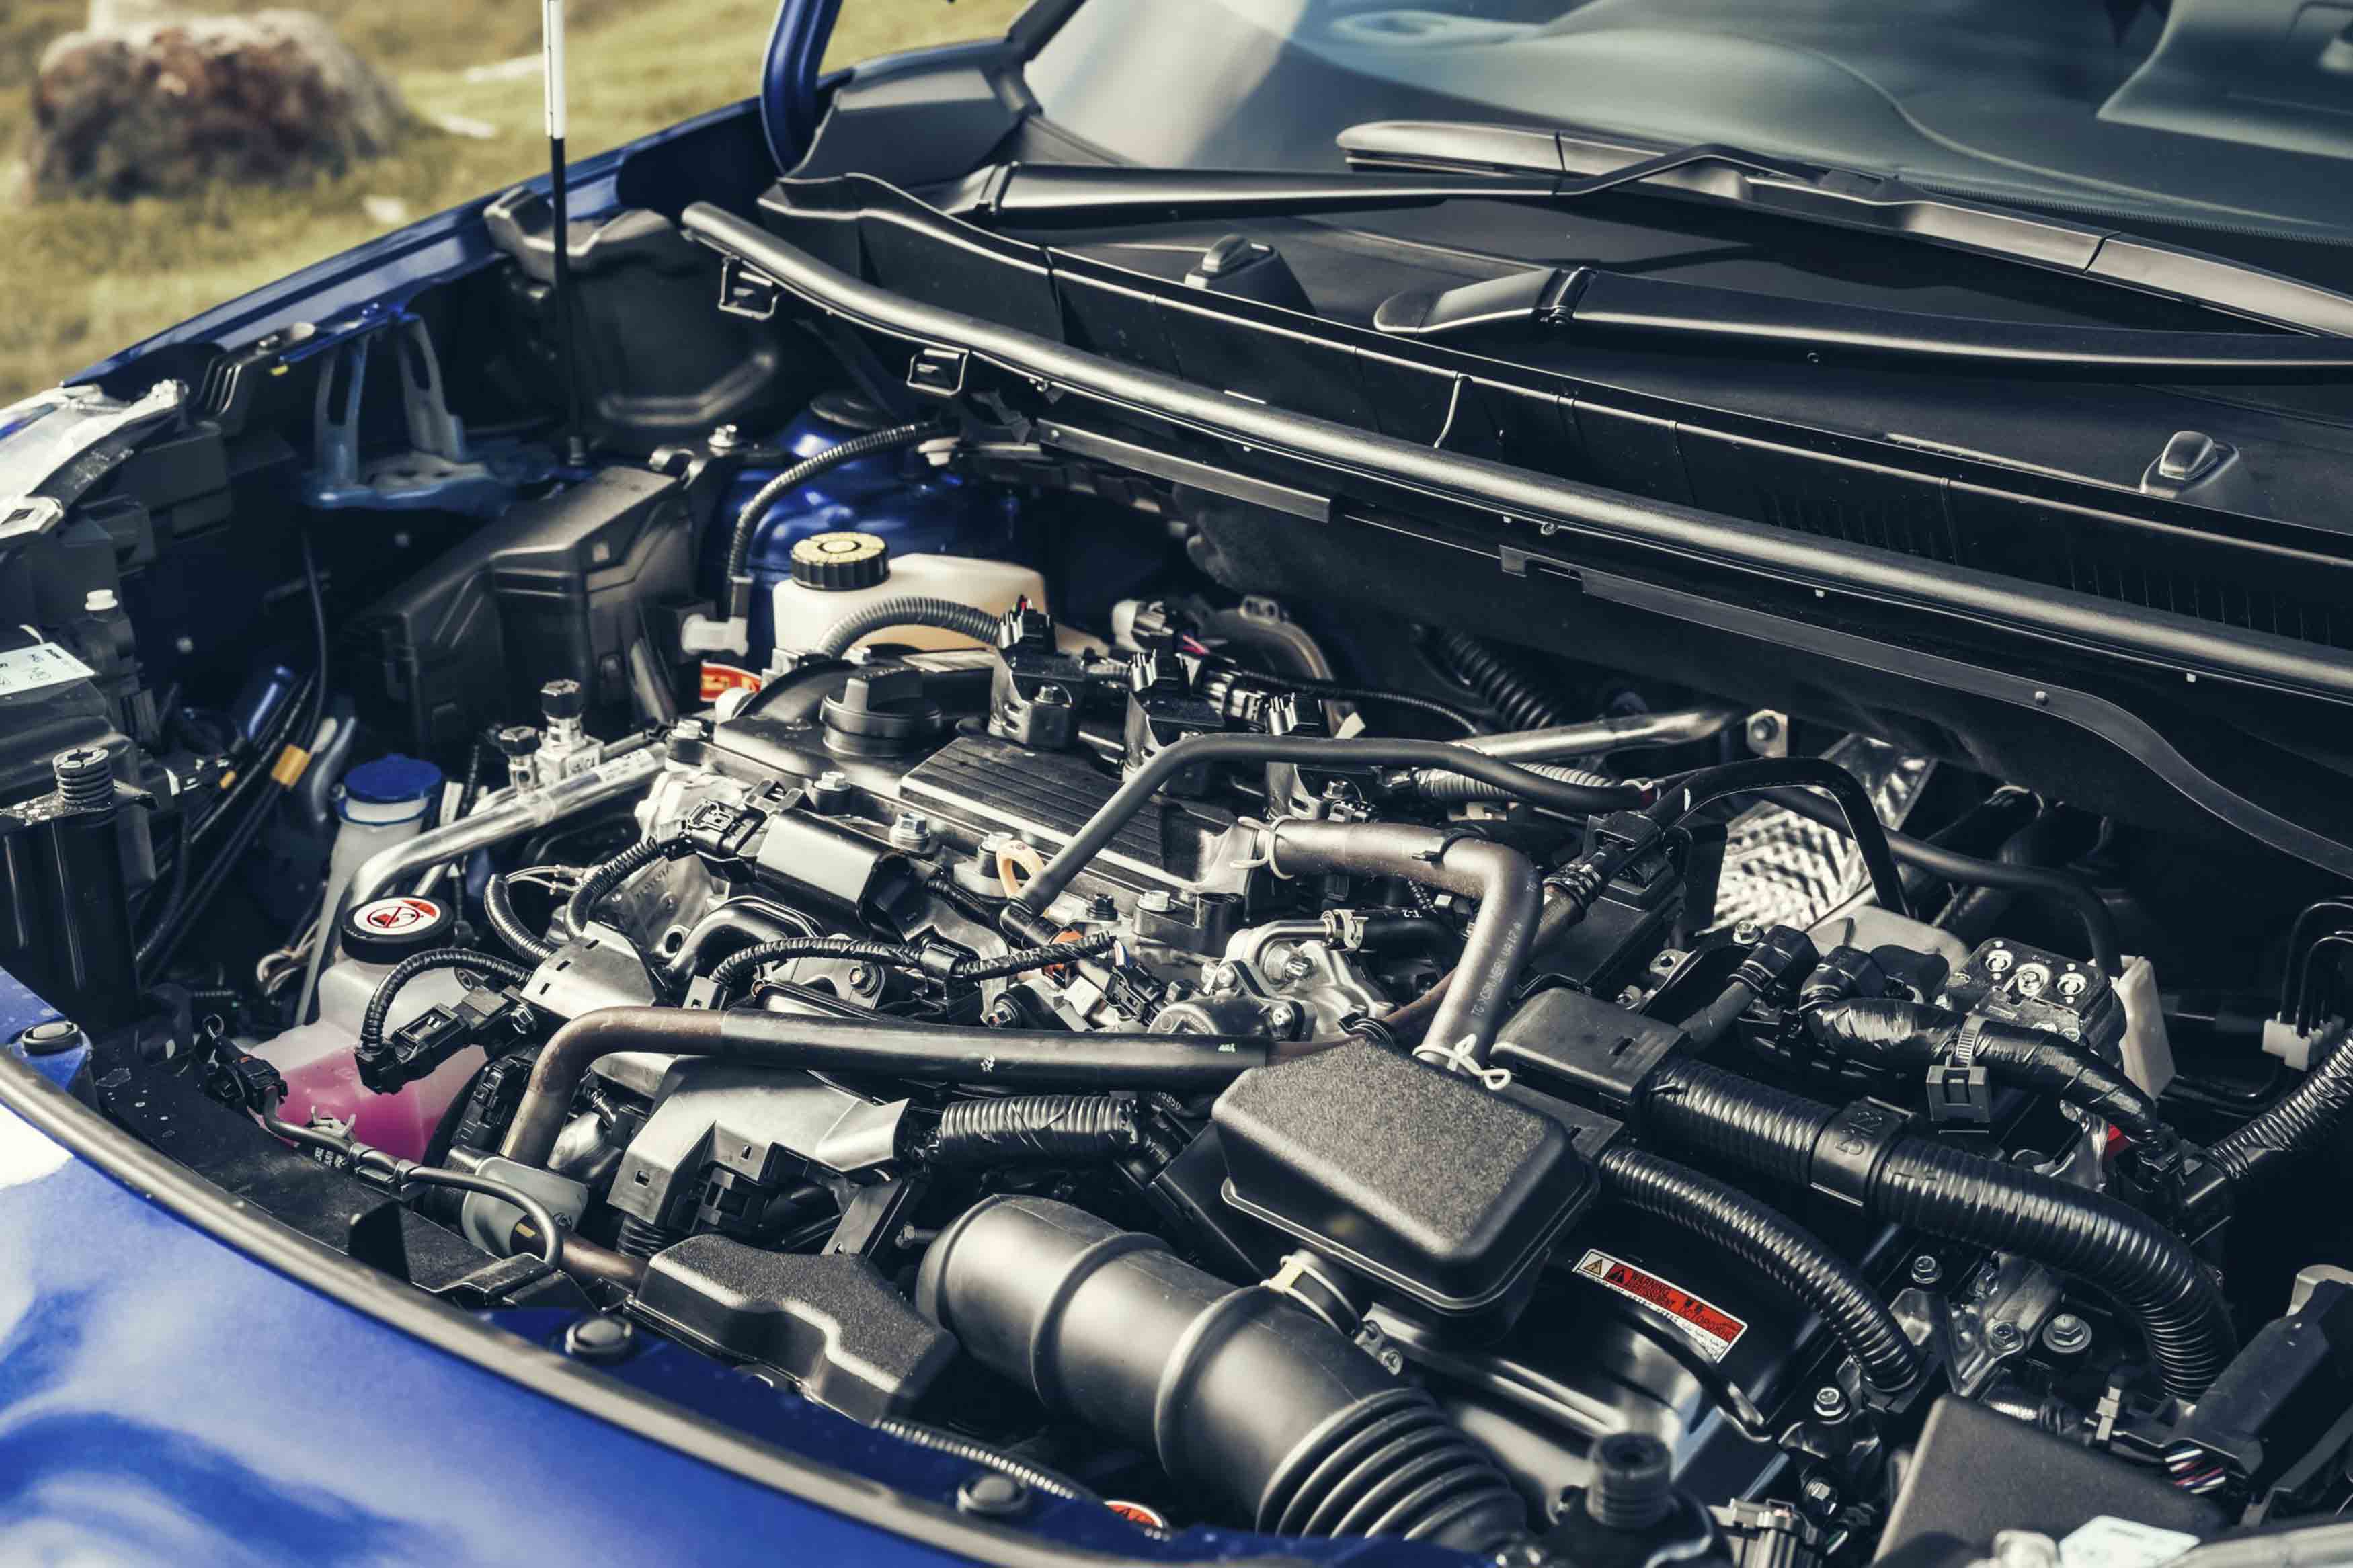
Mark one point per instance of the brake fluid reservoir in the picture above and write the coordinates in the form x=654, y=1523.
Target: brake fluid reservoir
x=837, y=575
x=896, y=495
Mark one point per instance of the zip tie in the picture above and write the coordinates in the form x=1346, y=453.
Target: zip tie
x=1462, y=1058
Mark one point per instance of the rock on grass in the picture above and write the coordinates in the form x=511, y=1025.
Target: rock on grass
x=171, y=106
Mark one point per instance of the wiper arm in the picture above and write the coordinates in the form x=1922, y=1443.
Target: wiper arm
x=1045, y=195
x=1582, y=164
x=1588, y=301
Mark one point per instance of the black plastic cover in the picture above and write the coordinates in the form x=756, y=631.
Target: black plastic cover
x=556, y=590
x=1427, y=1183
x=831, y=1322
x=1590, y=1050
x=1975, y=1472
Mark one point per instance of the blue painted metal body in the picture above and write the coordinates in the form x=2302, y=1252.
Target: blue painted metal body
x=891, y=494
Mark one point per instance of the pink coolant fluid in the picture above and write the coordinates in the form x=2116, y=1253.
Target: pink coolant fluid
x=327, y=1083
x=322, y=1075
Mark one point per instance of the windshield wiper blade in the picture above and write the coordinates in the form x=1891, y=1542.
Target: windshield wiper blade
x=1044, y=194
x=1585, y=163
x=1589, y=300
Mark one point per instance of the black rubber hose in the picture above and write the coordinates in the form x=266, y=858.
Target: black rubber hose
x=1786, y=780
x=1515, y=693
x=389, y=988
x=886, y=1046
x=1778, y=1247
x=1053, y=1127
x=1195, y=750
x=1711, y=1023
x=912, y=610
x=1913, y=1037
x=1342, y=691
x=2099, y=922
x=600, y=883
x=862, y=949
x=498, y=907
x=1265, y=1411
x=1441, y=786
x=2300, y=1120
x=1913, y=1180
x=1495, y=946
x=1973, y=914
x=747, y=521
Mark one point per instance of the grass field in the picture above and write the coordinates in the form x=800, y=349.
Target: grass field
x=81, y=278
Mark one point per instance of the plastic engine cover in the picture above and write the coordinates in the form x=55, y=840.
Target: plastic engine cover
x=1442, y=1192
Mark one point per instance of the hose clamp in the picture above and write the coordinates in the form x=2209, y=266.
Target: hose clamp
x=1300, y=1276
x=1850, y=1148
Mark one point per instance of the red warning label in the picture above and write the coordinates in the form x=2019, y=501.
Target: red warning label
x=719, y=679
x=1705, y=1324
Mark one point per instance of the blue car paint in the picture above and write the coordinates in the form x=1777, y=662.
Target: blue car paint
x=163, y=1399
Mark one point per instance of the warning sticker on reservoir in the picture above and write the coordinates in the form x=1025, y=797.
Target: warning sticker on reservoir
x=1706, y=1325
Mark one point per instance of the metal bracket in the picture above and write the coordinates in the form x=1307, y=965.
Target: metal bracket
x=755, y=296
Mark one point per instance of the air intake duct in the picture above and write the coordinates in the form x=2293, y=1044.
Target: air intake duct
x=1244, y=1394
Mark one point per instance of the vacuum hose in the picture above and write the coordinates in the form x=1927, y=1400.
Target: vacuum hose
x=1914, y=1036
x=1913, y=1180
x=1792, y=1257
x=1244, y=1396
x=908, y=610
x=2299, y=1121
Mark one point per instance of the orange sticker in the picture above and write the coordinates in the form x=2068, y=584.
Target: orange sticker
x=1706, y=1325
x=1136, y=1513
x=719, y=679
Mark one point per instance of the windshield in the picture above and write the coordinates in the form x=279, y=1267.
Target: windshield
x=2225, y=114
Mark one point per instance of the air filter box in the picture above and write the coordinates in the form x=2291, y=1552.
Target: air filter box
x=1443, y=1194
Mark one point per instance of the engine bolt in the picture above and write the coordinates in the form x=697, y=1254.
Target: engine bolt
x=1927, y=1270
x=1298, y=966
x=49, y=1038
x=2067, y=1333
x=1746, y=932
x=992, y=1494
x=1665, y=962
x=2073, y=984
x=912, y=831
x=2005, y=1336
x=85, y=776
x=1220, y=978
x=600, y=1339
x=2000, y=961
x=1281, y=1016
x=1819, y=1495
x=1829, y=1402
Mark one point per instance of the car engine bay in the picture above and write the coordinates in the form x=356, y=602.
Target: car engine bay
x=908, y=917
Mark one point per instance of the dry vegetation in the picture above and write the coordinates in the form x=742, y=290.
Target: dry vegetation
x=83, y=278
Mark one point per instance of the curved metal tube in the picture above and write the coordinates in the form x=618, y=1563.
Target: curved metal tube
x=1669, y=729
x=890, y=1046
